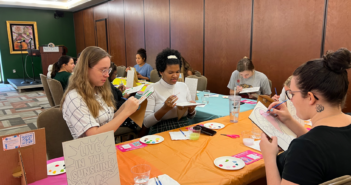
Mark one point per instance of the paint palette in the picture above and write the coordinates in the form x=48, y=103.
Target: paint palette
x=56, y=168
x=214, y=126
x=151, y=139
x=229, y=163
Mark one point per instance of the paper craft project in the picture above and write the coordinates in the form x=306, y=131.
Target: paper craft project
x=272, y=126
x=250, y=90
x=91, y=160
x=248, y=156
x=192, y=85
x=133, y=89
x=248, y=102
x=179, y=135
x=131, y=146
x=146, y=95
x=229, y=163
x=188, y=104
x=130, y=78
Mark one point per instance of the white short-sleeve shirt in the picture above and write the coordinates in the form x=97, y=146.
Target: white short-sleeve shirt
x=78, y=117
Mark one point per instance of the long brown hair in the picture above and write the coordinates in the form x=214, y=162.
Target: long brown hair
x=89, y=57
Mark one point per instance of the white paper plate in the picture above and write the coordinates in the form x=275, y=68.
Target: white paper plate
x=56, y=168
x=229, y=163
x=214, y=125
x=152, y=139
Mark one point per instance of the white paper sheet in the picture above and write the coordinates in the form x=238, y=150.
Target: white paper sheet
x=188, y=104
x=133, y=89
x=272, y=126
x=130, y=78
x=250, y=90
x=192, y=85
x=179, y=135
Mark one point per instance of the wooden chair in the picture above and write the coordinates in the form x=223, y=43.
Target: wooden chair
x=56, y=90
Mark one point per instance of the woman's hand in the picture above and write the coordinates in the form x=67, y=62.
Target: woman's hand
x=126, y=96
x=269, y=148
x=131, y=105
x=127, y=69
x=122, y=88
x=276, y=97
x=170, y=102
x=191, y=108
x=238, y=89
x=281, y=112
x=140, y=76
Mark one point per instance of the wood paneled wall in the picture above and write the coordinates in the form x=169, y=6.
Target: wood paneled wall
x=214, y=35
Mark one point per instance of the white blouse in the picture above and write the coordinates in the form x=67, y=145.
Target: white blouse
x=78, y=117
x=156, y=101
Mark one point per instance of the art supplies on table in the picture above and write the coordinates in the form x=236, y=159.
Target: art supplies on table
x=133, y=89
x=248, y=102
x=207, y=131
x=229, y=163
x=255, y=145
x=213, y=125
x=56, y=168
x=225, y=97
x=188, y=104
x=131, y=146
x=152, y=139
x=146, y=95
x=248, y=156
x=163, y=180
x=250, y=90
x=180, y=136
x=272, y=126
x=231, y=136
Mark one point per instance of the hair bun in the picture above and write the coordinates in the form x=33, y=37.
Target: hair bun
x=141, y=50
x=338, y=61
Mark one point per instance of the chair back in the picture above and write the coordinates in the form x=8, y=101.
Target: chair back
x=121, y=71
x=56, y=131
x=56, y=90
x=154, y=76
x=265, y=100
x=44, y=81
x=201, y=83
x=343, y=180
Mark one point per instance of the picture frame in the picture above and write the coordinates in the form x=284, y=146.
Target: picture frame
x=22, y=30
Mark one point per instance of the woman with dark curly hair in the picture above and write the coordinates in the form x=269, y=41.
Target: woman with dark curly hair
x=161, y=110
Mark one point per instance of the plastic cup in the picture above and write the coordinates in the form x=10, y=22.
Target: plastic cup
x=234, y=108
x=206, y=97
x=195, y=133
x=256, y=132
x=141, y=174
x=247, y=138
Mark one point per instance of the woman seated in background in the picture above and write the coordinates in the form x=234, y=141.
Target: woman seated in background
x=161, y=110
x=62, y=70
x=143, y=69
x=88, y=105
x=318, y=91
x=282, y=96
x=187, y=70
x=245, y=76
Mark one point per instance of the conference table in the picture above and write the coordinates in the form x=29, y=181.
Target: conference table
x=188, y=162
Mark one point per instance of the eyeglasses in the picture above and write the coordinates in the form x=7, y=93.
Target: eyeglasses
x=104, y=71
x=290, y=94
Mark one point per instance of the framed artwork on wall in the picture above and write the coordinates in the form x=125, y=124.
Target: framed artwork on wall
x=20, y=34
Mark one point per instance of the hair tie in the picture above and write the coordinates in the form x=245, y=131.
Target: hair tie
x=172, y=57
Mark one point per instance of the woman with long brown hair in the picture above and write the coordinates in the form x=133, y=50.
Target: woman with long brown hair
x=88, y=105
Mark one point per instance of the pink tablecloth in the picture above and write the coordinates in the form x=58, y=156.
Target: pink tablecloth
x=54, y=179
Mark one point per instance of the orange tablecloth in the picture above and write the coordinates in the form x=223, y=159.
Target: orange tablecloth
x=191, y=162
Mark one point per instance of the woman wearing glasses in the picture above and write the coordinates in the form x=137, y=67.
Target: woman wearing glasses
x=88, y=105
x=318, y=91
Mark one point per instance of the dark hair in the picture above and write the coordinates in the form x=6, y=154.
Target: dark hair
x=142, y=53
x=326, y=75
x=245, y=64
x=76, y=59
x=162, y=60
x=57, y=65
x=113, y=69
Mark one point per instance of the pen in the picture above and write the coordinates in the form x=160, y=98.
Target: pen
x=182, y=132
x=275, y=90
x=277, y=105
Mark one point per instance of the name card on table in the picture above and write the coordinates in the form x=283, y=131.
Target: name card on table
x=92, y=160
x=51, y=49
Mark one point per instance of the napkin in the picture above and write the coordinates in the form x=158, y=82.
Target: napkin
x=165, y=180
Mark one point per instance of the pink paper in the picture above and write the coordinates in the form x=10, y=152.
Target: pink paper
x=248, y=156
x=248, y=102
x=53, y=179
x=130, y=146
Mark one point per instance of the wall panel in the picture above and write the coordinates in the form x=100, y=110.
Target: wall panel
x=79, y=31
x=101, y=34
x=101, y=11
x=89, y=27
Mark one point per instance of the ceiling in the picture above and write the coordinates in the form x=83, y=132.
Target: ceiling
x=63, y=5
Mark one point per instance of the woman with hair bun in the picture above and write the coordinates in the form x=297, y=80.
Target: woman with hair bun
x=161, y=110
x=144, y=69
x=318, y=91
x=62, y=70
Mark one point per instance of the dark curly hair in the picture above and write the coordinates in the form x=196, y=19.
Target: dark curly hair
x=142, y=53
x=162, y=60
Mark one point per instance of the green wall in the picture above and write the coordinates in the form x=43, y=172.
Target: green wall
x=59, y=31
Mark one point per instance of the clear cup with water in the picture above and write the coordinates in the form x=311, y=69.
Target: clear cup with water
x=206, y=97
x=141, y=174
x=234, y=108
